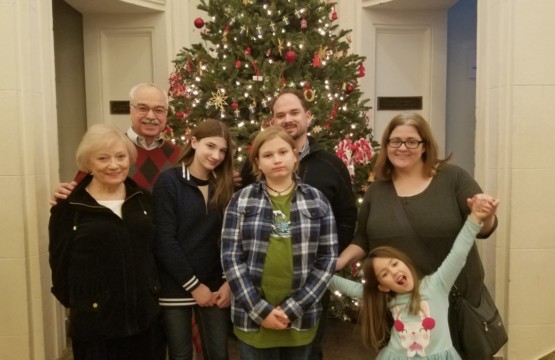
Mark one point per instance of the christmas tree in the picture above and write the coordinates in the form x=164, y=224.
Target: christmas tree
x=250, y=51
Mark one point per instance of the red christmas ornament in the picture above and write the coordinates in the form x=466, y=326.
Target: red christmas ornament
x=234, y=106
x=247, y=51
x=304, y=24
x=199, y=23
x=361, y=71
x=290, y=56
x=238, y=64
x=350, y=88
x=316, y=60
x=334, y=14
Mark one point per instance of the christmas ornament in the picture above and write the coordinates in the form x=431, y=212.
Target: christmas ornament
x=234, y=105
x=238, y=64
x=316, y=60
x=361, y=71
x=218, y=100
x=304, y=24
x=290, y=56
x=317, y=129
x=285, y=20
x=199, y=23
x=334, y=14
x=350, y=88
x=334, y=111
x=309, y=94
x=280, y=46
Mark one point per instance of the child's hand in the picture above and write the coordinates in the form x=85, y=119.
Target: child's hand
x=483, y=206
x=276, y=320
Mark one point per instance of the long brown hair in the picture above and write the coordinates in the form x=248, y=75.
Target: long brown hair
x=374, y=313
x=384, y=169
x=223, y=173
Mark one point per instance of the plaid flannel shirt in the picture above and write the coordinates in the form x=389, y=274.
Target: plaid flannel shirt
x=246, y=232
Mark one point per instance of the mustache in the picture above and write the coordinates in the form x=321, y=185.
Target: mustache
x=150, y=122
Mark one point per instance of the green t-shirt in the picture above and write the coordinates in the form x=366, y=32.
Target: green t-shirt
x=277, y=278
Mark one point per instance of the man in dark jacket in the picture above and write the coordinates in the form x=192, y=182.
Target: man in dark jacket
x=320, y=169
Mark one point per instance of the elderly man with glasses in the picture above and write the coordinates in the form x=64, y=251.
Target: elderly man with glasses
x=148, y=109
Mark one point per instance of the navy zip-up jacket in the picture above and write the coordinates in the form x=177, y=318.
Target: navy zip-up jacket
x=187, y=245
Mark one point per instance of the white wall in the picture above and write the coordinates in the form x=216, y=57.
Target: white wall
x=29, y=148
x=514, y=131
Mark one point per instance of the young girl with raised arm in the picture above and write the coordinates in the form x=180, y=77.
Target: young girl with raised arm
x=189, y=203
x=279, y=248
x=419, y=307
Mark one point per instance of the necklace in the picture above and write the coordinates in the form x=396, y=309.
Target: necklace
x=281, y=191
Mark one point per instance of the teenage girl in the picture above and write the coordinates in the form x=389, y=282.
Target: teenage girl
x=189, y=203
x=419, y=307
x=279, y=248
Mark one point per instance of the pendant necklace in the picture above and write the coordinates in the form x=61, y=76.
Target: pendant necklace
x=282, y=191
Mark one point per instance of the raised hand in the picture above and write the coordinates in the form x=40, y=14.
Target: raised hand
x=483, y=207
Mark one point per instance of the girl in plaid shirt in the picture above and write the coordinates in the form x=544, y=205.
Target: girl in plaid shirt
x=279, y=248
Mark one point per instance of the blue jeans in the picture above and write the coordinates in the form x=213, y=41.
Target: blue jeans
x=213, y=323
x=278, y=353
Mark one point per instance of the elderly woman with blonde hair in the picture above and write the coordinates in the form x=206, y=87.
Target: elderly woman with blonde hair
x=101, y=256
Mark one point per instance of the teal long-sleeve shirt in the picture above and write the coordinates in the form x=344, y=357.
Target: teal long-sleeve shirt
x=411, y=335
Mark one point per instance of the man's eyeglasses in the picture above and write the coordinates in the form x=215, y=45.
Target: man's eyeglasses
x=410, y=143
x=143, y=110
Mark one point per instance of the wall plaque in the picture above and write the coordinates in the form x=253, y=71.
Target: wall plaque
x=119, y=107
x=399, y=102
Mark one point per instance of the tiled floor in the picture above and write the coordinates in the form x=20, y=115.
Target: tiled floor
x=341, y=342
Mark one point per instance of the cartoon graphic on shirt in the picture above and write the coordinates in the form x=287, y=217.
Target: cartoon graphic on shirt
x=415, y=336
x=280, y=228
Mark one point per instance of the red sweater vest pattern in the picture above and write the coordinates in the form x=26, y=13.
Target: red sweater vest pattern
x=150, y=163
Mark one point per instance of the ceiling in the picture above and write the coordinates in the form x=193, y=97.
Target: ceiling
x=409, y=4
x=117, y=6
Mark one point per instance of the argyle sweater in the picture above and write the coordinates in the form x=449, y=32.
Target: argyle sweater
x=149, y=164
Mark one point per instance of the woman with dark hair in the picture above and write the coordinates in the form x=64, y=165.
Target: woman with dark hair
x=189, y=202
x=433, y=195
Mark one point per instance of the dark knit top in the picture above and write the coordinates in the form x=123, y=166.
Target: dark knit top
x=437, y=215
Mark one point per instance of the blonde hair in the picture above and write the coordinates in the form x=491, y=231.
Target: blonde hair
x=223, y=172
x=102, y=136
x=265, y=135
